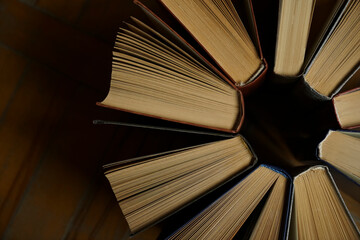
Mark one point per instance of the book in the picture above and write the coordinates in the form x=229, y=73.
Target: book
x=152, y=188
x=157, y=73
x=267, y=199
x=292, y=35
x=319, y=35
x=347, y=109
x=224, y=218
x=162, y=68
x=319, y=211
x=301, y=27
x=349, y=191
x=341, y=149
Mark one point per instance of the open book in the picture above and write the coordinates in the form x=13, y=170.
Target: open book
x=157, y=73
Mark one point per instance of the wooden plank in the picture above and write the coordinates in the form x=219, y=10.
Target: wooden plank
x=54, y=44
x=25, y=132
x=11, y=69
x=67, y=10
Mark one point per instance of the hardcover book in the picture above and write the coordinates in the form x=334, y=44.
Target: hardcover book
x=158, y=73
x=267, y=188
x=320, y=35
x=347, y=109
x=316, y=196
x=152, y=188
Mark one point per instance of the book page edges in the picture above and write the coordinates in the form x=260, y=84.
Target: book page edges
x=332, y=25
x=356, y=127
x=257, y=79
x=287, y=213
x=244, y=171
x=254, y=82
x=257, y=76
x=190, y=48
x=332, y=167
x=318, y=95
x=275, y=169
x=236, y=128
x=310, y=53
x=323, y=167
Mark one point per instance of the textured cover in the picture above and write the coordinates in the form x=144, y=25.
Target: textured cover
x=356, y=127
x=110, y=167
x=288, y=202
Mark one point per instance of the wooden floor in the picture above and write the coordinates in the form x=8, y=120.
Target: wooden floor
x=55, y=64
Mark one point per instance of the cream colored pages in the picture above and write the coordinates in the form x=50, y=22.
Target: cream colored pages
x=269, y=223
x=218, y=28
x=293, y=31
x=347, y=108
x=339, y=56
x=342, y=151
x=152, y=76
x=150, y=190
x=224, y=218
x=320, y=211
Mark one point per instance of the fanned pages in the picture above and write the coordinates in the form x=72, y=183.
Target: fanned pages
x=225, y=217
x=152, y=76
x=218, y=28
x=347, y=108
x=342, y=150
x=320, y=212
x=152, y=189
x=339, y=56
